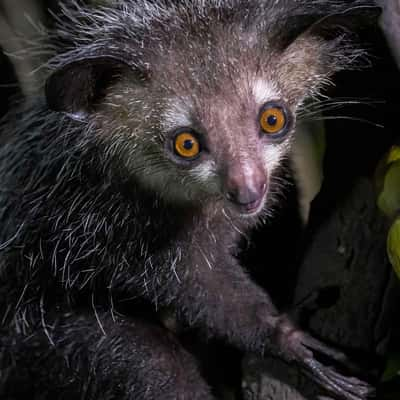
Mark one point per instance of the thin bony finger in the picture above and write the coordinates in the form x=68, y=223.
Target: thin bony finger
x=342, y=387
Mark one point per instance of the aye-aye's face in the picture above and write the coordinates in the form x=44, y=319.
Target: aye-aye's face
x=214, y=120
x=197, y=100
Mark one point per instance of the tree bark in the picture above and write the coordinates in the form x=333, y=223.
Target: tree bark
x=347, y=251
x=391, y=26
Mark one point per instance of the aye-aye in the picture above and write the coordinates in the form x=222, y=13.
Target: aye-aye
x=155, y=143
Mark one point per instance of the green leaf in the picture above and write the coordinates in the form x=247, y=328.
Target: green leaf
x=389, y=198
x=393, y=246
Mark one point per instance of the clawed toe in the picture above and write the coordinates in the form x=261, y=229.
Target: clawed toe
x=344, y=388
x=300, y=347
x=333, y=354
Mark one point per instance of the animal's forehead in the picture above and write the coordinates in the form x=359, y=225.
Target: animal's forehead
x=224, y=68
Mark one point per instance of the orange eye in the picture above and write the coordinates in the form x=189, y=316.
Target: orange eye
x=272, y=119
x=186, y=145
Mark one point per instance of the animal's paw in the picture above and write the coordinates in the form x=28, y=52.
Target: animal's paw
x=301, y=348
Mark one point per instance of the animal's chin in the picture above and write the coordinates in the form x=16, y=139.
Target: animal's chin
x=249, y=210
x=253, y=212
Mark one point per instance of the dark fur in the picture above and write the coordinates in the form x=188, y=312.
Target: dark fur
x=93, y=214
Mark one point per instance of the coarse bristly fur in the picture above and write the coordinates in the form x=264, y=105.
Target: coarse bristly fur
x=96, y=208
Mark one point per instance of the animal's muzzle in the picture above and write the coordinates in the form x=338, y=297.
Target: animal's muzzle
x=247, y=190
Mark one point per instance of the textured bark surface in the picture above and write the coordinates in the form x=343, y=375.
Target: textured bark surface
x=390, y=23
x=347, y=251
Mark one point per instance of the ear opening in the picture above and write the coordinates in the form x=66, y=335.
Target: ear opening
x=353, y=19
x=329, y=24
x=77, y=87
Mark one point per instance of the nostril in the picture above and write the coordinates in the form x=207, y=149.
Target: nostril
x=231, y=196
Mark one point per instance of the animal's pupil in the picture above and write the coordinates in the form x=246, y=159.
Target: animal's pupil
x=188, y=144
x=272, y=120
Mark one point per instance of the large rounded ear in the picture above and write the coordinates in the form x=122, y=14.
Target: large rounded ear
x=353, y=19
x=328, y=22
x=78, y=86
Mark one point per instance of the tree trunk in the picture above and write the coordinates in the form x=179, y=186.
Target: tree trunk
x=347, y=251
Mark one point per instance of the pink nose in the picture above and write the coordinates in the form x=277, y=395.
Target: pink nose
x=246, y=188
x=246, y=195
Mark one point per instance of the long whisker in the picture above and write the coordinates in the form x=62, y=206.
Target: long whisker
x=330, y=104
x=320, y=110
x=346, y=117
